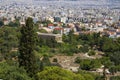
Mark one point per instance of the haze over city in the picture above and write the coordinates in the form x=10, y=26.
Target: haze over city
x=100, y=2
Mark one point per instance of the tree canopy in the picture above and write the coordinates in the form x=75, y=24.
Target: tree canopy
x=56, y=73
x=27, y=46
x=8, y=72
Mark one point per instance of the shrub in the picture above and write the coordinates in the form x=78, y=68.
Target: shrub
x=91, y=53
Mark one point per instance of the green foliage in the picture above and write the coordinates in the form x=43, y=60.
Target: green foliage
x=84, y=49
x=51, y=43
x=79, y=77
x=10, y=72
x=86, y=65
x=115, y=78
x=99, y=78
x=43, y=31
x=57, y=19
x=87, y=76
x=106, y=62
x=112, y=47
x=14, y=24
x=55, y=60
x=89, y=64
x=115, y=57
x=114, y=69
x=56, y=73
x=41, y=42
x=1, y=23
x=91, y=53
x=46, y=22
x=28, y=40
x=77, y=60
x=71, y=37
x=46, y=61
x=68, y=49
x=43, y=49
x=89, y=43
x=90, y=39
x=8, y=39
x=55, y=31
x=101, y=43
x=65, y=38
x=1, y=57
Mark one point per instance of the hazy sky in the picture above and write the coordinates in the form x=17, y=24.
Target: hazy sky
x=90, y=2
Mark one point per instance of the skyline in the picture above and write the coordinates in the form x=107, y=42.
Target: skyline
x=71, y=1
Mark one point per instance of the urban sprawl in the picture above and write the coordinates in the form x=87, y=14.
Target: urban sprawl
x=62, y=18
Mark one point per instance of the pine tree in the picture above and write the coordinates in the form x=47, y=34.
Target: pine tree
x=27, y=45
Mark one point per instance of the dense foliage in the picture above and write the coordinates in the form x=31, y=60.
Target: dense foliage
x=8, y=40
x=12, y=72
x=88, y=64
x=115, y=78
x=27, y=46
x=56, y=73
x=30, y=47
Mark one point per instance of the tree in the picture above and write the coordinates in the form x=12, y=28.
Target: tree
x=86, y=65
x=107, y=63
x=115, y=57
x=56, y=73
x=43, y=31
x=84, y=48
x=46, y=61
x=71, y=36
x=1, y=23
x=14, y=24
x=57, y=19
x=89, y=64
x=55, y=32
x=12, y=72
x=113, y=69
x=27, y=46
x=112, y=47
x=8, y=39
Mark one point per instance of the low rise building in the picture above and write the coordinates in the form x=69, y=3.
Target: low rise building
x=56, y=37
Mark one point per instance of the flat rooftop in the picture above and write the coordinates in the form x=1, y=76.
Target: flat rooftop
x=49, y=34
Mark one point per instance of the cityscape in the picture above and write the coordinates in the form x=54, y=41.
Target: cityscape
x=59, y=39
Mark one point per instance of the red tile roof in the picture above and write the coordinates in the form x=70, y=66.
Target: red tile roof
x=50, y=24
x=58, y=28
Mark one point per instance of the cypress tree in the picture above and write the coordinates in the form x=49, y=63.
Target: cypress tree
x=27, y=46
